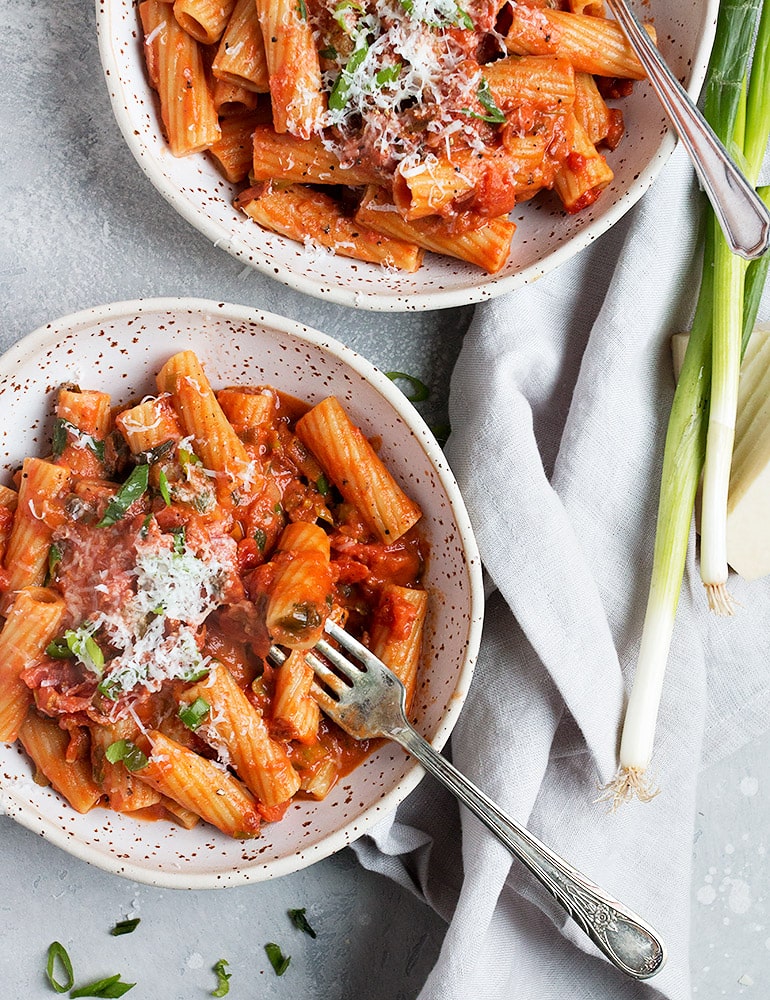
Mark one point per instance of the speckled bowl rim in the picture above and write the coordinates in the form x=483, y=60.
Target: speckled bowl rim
x=485, y=288
x=31, y=818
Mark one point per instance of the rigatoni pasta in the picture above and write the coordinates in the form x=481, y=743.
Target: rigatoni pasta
x=449, y=114
x=153, y=558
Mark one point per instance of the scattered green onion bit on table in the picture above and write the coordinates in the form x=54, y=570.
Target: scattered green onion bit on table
x=278, y=960
x=299, y=920
x=125, y=926
x=417, y=390
x=127, y=752
x=133, y=488
x=59, y=961
x=110, y=987
x=223, y=978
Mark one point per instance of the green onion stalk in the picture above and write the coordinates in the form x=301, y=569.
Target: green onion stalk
x=743, y=126
x=737, y=105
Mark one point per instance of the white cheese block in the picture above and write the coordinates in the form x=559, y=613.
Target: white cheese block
x=748, y=506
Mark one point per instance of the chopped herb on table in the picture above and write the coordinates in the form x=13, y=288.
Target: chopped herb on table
x=278, y=960
x=59, y=962
x=223, y=978
x=125, y=926
x=300, y=921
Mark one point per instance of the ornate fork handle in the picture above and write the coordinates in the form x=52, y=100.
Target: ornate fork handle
x=626, y=940
x=743, y=217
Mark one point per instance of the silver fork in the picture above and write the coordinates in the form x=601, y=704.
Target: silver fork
x=368, y=701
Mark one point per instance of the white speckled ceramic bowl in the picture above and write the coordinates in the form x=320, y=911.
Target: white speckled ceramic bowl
x=119, y=348
x=545, y=237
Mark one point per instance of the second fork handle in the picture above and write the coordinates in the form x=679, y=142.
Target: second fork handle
x=743, y=217
x=627, y=941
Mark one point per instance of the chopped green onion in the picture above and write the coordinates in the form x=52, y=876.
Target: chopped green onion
x=187, y=457
x=417, y=391
x=54, y=558
x=59, y=649
x=223, y=984
x=302, y=10
x=328, y=53
x=192, y=715
x=260, y=537
x=465, y=20
x=86, y=649
x=125, y=926
x=127, y=752
x=322, y=485
x=62, y=428
x=133, y=488
x=278, y=960
x=341, y=8
x=163, y=488
x=110, y=987
x=180, y=540
x=299, y=920
x=57, y=956
x=59, y=436
x=338, y=98
x=388, y=74
x=493, y=114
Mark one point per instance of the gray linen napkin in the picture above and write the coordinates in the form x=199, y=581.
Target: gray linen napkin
x=559, y=403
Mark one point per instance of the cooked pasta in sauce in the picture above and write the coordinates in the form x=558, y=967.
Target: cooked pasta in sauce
x=152, y=559
x=379, y=129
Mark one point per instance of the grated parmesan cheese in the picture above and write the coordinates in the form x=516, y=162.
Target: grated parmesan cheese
x=155, y=632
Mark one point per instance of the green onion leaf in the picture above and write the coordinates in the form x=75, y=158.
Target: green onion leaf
x=223, y=985
x=109, y=687
x=339, y=12
x=180, y=538
x=299, y=920
x=187, y=457
x=260, y=537
x=125, y=926
x=278, y=960
x=417, y=391
x=494, y=115
x=465, y=20
x=388, y=74
x=163, y=488
x=302, y=10
x=127, y=752
x=322, y=485
x=62, y=428
x=193, y=714
x=59, y=436
x=59, y=649
x=54, y=558
x=109, y=987
x=338, y=98
x=83, y=646
x=58, y=957
x=133, y=488
x=328, y=53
